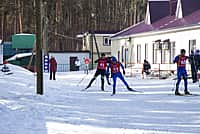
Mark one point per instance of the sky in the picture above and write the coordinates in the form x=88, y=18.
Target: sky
x=65, y=109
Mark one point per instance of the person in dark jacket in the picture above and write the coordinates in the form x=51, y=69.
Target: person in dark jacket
x=193, y=62
x=146, y=67
x=197, y=59
x=115, y=71
x=53, y=68
x=101, y=70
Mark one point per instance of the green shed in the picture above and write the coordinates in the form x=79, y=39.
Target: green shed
x=23, y=41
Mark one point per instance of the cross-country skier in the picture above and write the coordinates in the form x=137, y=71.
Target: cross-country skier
x=115, y=71
x=101, y=70
x=180, y=60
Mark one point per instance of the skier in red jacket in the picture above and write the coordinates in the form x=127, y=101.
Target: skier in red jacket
x=101, y=70
x=53, y=68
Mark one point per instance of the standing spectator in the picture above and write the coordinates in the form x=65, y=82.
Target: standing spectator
x=86, y=61
x=77, y=64
x=101, y=69
x=53, y=68
x=115, y=70
x=146, y=67
x=180, y=60
x=193, y=63
x=197, y=59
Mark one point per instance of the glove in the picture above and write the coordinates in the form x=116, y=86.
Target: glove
x=124, y=72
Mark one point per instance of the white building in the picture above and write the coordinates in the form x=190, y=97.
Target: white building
x=97, y=42
x=170, y=25
x=66, y=60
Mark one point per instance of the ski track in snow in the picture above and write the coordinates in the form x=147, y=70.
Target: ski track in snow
x=65, y=109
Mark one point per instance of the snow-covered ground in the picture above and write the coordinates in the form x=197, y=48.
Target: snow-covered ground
x=65, y=109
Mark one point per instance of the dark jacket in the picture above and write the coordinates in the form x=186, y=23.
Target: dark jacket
x=146, y=65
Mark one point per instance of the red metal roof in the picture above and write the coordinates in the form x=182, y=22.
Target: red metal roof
x=167, y=22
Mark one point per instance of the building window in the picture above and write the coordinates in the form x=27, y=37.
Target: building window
x=138, y=53
x=192, y=45
x=157, y=52
x=126, y=57
x=146, y=51
x=118, y=55
x=162, y=52
x=122, y=54
x=106, y=41
x=165, y=52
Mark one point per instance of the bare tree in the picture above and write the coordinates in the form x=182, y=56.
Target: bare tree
x=67, y=18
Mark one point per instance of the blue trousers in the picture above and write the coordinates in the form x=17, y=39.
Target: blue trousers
x=115, y=76
x=181, y=72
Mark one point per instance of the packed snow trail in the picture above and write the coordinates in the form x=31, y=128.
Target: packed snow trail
x=65, y=109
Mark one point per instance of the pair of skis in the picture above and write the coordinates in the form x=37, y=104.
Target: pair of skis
x=132, y=90
x=187, y=94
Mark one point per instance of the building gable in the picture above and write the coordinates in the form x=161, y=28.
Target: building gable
x=158, y=10
x=179, y=13
x=190, y=6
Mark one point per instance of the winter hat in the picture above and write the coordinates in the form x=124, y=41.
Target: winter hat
x=103, y=54
x=183, y=51
x=114, y=59
x=197, y=52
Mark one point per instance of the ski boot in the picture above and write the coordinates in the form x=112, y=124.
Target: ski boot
x=177, y=93
x=187, y=92
x=87, y=87
x=130, y=89
x=113, y=92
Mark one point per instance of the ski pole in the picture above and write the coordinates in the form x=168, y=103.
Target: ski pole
x=174, y=84
x=81, y=80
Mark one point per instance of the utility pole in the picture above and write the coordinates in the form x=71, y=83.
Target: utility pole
x=44, y=27
x=20, y=16
x=39, y=48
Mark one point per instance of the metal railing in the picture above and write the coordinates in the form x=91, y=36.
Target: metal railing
x=157, y=70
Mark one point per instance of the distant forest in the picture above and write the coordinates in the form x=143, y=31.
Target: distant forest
x=64, y=19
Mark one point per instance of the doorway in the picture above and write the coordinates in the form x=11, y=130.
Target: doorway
x=72, y=63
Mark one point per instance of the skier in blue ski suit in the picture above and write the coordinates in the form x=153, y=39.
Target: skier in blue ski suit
x=180, y=60
x=115, y=71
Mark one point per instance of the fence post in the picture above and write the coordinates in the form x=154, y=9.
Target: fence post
x=142, y=72
x=159, y=70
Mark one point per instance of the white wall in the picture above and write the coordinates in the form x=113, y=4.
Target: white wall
x=64, y=58
x=180, y=37
x=100, y=42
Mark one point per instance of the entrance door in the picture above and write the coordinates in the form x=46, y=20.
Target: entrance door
x=72, y=63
